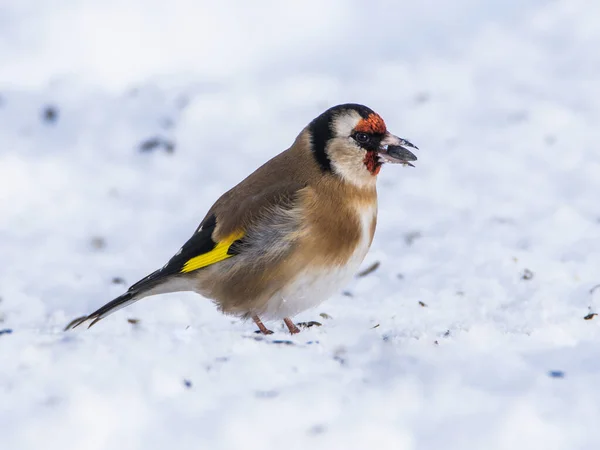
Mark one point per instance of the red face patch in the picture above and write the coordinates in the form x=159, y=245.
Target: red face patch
x=372, y=124
x=372, y=162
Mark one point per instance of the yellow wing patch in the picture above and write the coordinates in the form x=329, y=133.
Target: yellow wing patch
x=219, y=253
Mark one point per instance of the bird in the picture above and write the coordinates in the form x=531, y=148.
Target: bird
x=292, y=233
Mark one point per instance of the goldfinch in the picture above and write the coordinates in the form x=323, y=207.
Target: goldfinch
x=293, y=232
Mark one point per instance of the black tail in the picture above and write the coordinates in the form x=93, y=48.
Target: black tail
x=118, y=303
x=149, y=285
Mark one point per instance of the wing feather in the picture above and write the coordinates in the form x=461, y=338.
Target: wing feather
x=199, y=251
x=220, y=252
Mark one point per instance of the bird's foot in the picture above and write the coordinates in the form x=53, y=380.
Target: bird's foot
x=293, y=328
x=261, y=326
x=265, y=331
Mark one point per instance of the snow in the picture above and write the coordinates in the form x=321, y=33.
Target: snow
x=469, y=335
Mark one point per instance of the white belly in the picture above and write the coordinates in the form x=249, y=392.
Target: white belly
x=315, y=285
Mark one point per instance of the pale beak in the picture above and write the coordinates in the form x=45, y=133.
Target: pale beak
x=393, y=150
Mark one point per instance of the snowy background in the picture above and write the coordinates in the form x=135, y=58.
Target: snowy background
x=122, y=122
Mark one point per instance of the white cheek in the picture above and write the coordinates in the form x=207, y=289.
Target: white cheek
x=351, y=167
x=345, y=123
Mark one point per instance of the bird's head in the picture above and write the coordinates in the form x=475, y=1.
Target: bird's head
x=352, y=141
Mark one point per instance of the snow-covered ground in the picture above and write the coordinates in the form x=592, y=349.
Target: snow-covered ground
x=469, y=335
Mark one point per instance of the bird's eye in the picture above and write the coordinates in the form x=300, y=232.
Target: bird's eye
x=362, y=138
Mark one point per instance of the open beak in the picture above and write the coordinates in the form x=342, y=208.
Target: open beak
x=394, y=150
